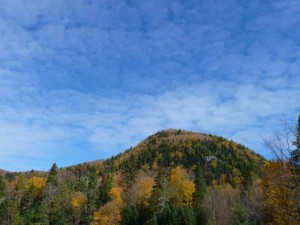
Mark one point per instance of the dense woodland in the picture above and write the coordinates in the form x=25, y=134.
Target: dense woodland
x=173, y=177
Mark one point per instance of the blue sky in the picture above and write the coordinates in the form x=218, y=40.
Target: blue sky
x=85, y=80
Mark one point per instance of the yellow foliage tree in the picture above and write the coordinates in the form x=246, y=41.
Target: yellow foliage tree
x=181, y=187
x=141, y=190
x=279, y=195
x=78, y=200
x=38, y=183
x=111, y=212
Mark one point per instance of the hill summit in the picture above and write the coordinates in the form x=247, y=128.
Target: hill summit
x=170, y=148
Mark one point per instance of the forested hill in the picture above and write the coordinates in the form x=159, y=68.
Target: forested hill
x=173, y=177
x=220, y=158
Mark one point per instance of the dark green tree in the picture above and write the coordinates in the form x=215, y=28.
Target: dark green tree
x=52, y=177
x=159, y=196
x=130, y=215
x=240, y=215
x=154, y=221
x=295, y=154
x=104, y=190
x=185, y=216
x=198, y=197
x=167, y=216
x=92, y=195
x=2, y=186
x=42, y=214
x=4, y=207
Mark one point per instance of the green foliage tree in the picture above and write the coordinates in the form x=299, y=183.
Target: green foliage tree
x=185, y=216
x=154, y=221
x=240, y=215
x=52, y=177
x=130, y=215
x=4, y=207
x=159, y=196
x=198, y=197
x=167, y=216
x=295, y=154
x=91, y=195
x=2, y=186
x=105, y=188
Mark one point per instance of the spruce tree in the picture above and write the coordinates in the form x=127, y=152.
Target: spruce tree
x=52, y=177
x=295, y=154
x=105, y=188
x=198, y=197
x=130, y=215
x=240, y=215
x=159, y=196
x=2, y=186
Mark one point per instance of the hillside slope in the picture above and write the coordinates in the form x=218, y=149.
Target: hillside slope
x=221, y=158
x=163, y=178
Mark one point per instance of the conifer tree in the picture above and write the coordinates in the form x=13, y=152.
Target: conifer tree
x=52, y=177
x=91, y=195
x=105, y=188
x=198, y=197
x=160, y=196
x=295, y=154
x=2, y=186
x=240, y=215
x=154, y=221
x=130, y=215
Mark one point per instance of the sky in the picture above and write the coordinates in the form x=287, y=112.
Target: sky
x=85, y=80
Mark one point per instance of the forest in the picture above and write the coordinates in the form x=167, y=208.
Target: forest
x=174, y=177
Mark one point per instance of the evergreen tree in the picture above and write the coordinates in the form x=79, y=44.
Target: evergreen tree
x=130, y=215
x=154, y=221
x=92, y=195
x=166, y=217
x=159, y=196
x=4, y=205
x=240, y=215
x=185, y=216
x=295, y=154
x=52, y=177
x=2, y=186
x=105, y=188
x=246, y=183
x=198, y=197
x=42, y=214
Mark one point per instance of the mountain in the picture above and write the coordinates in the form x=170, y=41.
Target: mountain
x=163, y=178
x=171, y=148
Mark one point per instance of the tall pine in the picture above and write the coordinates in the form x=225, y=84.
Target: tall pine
x=198, y=197
x=240, y=215
x=295, y=154
x=160, y=195
x=52, y=177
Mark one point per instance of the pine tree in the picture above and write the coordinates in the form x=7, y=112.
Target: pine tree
x=185, y=216
x=154, y=221
x=52, y=177
x=2, y=186
x=160, y=196
x=240, y=215
x=295, y=154
x=91, y=195
x=167, y=216
x=42, y=216
x=105, y=188
x=130, y=215
x=4, y=204
x=198, y=197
